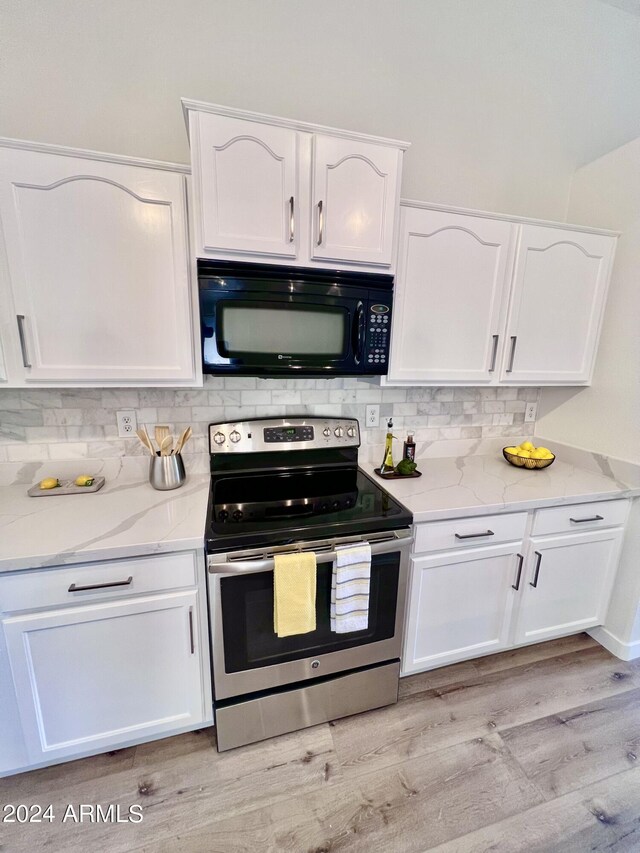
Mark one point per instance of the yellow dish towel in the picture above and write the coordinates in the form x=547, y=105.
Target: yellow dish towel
x=294, y=594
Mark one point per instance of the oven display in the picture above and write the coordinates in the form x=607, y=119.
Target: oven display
x=297, y=433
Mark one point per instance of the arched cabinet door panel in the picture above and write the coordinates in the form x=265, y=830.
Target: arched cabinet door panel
x=98, y=269
x=355, y=188
x=245, y=176
x=559, y=291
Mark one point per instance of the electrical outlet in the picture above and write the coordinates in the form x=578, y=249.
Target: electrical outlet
x=127, y=423
x=530, y=413
x=372, y=418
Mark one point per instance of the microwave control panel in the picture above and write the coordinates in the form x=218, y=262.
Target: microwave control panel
x=378, y=332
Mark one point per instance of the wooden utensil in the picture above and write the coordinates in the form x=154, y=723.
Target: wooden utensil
x=143, y=435
x=161, y=432
x=184, y=438
x=165, y=445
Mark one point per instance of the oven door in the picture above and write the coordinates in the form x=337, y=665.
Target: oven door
x=247, y=654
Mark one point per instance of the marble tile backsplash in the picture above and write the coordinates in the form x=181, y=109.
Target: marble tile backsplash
x=38, y=424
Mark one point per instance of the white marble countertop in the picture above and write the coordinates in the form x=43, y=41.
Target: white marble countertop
x=126, y=518
x=456, y=487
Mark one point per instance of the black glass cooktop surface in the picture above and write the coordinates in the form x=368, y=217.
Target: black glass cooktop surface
x=253, y=509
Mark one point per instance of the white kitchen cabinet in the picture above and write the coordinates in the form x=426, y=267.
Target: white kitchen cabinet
x=451, y=296
x=460, y=605
x=355, y=189
x=482, y=299
x=91, y=677
x=280, y=191
x=567, y=584
x=98, y=269
x=559, y=289
x=247, y=187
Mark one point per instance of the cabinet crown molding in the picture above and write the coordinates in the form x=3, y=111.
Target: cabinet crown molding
x=505, y=217
x=83, y=153
x=277, y=121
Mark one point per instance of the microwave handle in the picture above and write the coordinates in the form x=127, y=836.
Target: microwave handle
x=358, y=333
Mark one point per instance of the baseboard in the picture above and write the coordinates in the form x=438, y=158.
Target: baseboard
x=624, y=651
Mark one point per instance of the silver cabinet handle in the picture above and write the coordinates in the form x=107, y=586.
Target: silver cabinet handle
x=582, y=520
x=512, y=355
x=516, y=585
x=23, y=340
x=74, y=588
x=474, y=535
x=292, y=232
x=534, y=584
x=494, y=353
x=191, y=637
x=320, y=222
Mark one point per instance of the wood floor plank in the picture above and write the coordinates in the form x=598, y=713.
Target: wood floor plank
x=567, y=751
x=602, y=818
x=427, y=722
x=180, y=792
x=426, y=801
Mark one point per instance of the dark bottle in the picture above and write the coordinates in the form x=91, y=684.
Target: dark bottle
x=409, y=450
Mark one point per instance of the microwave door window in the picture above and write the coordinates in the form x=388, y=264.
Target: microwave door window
x=282, y=332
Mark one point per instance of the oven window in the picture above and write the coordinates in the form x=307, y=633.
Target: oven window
x=279, y=329
x=247, y=617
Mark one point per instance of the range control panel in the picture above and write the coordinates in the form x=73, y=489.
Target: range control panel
x=258, y=436
x=377, y=335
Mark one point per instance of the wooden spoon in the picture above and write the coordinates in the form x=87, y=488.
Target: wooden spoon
x=143, y=435
x=184, y=438
x=165, y=446
x=161, y=432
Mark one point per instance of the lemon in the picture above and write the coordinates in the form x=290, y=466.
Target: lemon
x=49, y=483
x=547, y=453
x=512, y=450
x=84, y=480
x=524, y=454
x=539, y=453
x=526, y=445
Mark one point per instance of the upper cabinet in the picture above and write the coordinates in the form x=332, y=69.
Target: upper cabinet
x=559, y=290
x=281, y=191
x=98, y=281
x=487, y=300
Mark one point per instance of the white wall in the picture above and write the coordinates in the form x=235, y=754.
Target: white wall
x=605, y=417
x=502, y=99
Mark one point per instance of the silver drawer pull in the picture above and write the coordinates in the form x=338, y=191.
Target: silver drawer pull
x=74, y=588
x=494, y=353
x=582, y=520
x=474, y=535
x=514, y=339
x=23, y=340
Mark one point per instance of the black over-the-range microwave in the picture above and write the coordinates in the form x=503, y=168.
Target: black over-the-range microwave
x=261, y=320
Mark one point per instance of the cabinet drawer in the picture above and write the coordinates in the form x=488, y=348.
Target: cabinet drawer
x=465, y=532
x=576, y=518
x=41, y=588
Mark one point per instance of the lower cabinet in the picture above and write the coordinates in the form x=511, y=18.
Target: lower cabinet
x=92, y=677
x=460, y=605
x=567, y=585
x=475, y=600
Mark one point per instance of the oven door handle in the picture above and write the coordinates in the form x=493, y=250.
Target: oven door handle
x=247, y=567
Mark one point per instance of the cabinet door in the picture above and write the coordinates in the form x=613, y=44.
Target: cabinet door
x=450, y=300
x=98, y=268
x=567, y=584
x=355, y=199
x=460, y=606
x=559, y=290
x=245, y=175
x=93, y=676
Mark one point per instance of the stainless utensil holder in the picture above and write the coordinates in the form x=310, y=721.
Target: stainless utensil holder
x=167, y=472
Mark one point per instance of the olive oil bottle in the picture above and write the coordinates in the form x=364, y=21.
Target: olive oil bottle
x=387, y=462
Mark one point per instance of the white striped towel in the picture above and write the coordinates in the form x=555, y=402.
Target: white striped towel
x=350, y=588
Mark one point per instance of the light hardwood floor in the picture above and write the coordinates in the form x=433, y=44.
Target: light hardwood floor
x=534, y=750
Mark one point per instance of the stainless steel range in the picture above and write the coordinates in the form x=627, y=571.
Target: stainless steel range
x=293, y=484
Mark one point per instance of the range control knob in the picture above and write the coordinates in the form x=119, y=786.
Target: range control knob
x=351, y=432
x=223, y=515
x=237, y=515
x=219, y=438
x=338, y=432
x=235, y=436
x=326, y=432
